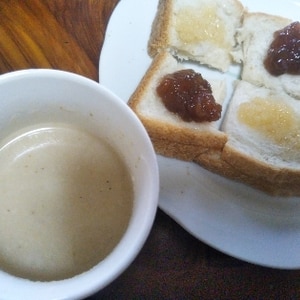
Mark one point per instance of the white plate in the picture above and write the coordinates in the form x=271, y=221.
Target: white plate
x=229, y=216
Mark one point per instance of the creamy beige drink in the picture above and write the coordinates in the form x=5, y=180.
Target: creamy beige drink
x=66, y=199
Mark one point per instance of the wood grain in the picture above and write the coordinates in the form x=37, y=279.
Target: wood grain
x=66, y=35
x=175, y=265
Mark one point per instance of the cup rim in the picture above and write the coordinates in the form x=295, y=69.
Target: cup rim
x=89, y=281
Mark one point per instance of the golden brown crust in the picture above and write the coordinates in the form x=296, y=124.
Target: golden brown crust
x=282, y=182
x=159, y=37
x=141, y=90
x=208, y=148
x=270, y=179
x=250, y=166
x=181, y=143
x=217, y=54
x=171, y=139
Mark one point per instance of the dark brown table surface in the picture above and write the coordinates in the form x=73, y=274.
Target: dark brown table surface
x=68, y=35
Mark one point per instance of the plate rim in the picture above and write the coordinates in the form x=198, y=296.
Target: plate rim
x=123, y=8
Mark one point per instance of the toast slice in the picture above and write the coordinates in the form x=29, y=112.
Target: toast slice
x=263, y=144
x=257, y=140
x=171, y=136
x=198, y=30
x=255, y=36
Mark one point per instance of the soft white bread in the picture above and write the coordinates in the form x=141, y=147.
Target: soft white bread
x=263, y=144
x=199, y=30
x=255, y=36
x=170, y=135
x=257, y=139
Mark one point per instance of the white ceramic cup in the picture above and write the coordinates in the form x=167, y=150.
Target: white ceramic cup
x=33, y=96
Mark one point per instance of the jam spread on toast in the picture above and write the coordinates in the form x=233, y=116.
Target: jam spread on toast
x=283, y=55
x=189, y=95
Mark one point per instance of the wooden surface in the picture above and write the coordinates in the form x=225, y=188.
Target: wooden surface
x=68, y=35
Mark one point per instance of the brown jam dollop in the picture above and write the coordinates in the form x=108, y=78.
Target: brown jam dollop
x=187, y=94
x=283, y=55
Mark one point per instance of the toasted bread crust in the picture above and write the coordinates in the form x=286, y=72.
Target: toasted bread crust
x=216, y=53
x=180, y=143
x=171, y=138
x=268, y=178
x=206, y=145
x=160, y=35
x=141, y=90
